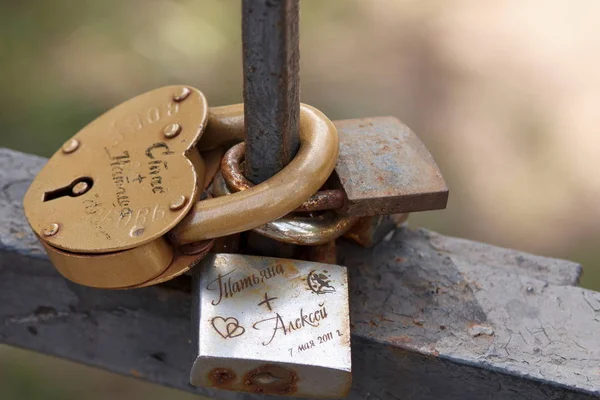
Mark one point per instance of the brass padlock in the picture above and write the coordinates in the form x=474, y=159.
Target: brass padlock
x=104, y=202
x=271, y=326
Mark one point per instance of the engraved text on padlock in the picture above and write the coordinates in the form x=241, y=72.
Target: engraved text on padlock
x=272, y=326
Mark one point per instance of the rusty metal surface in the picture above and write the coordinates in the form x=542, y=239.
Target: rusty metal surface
x=323, y=200
x=296, y=228
x=236, y=181
x=271, y=85
x=368, y=231
x=433, y=317
x=385, y=169
x=325, y=253
x=231, y=170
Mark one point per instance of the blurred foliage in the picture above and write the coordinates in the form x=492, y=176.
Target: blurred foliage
x=25, y=375
x=504, y=94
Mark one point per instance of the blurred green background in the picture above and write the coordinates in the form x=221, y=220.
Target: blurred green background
x=504, y=94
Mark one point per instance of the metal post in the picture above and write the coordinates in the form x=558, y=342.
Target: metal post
x=271, y=85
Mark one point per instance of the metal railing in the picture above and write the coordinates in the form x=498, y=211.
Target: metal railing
x=433, y=317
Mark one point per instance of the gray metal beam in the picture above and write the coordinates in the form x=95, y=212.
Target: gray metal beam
x=433, y=317
x=271, y=85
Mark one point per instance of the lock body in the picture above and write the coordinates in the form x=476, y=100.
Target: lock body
x=272, y=326
x=137, y=161
x=103, y=203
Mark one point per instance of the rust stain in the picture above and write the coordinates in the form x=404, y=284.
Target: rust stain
x=325, y=253
x=221, y=377
x=400, y=340
x=271, y=379
x=433, y=351
x=398, y=175
x=234, y=176
x=136, y=373
x=346, y=341
x=290, y=270
x=380, y=317
x=475, y=284
x=324, y=200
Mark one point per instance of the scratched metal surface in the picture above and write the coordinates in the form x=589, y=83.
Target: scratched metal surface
x=432, y=317
x=384, y=168
x=255, y=311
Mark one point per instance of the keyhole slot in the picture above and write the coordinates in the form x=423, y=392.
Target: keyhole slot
x=78, y=187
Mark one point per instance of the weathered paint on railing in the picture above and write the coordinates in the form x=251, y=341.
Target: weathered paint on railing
x=433, y=317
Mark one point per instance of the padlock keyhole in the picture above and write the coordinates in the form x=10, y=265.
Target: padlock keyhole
x=76, y=188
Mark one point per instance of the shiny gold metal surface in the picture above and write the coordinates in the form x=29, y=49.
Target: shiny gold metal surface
x=132, y=172
x=225, y=127
x=178, y=203
x=273, y=198
x=181, y=264
x=212, y=160
x=113, y=270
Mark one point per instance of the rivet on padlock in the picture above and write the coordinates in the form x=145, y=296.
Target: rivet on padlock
x=271, y=326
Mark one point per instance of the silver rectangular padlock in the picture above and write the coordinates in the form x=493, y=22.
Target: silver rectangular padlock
x=271, y=326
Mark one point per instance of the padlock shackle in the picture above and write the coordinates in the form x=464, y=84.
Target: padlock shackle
x=231, y=171
x=272, y=199
x=300, y=229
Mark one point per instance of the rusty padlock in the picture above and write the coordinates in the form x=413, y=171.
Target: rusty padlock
x=383, y=168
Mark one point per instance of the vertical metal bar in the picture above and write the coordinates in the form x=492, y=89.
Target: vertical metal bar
x=271, y=85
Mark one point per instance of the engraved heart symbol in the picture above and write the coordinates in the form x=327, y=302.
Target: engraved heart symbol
x=227, y=327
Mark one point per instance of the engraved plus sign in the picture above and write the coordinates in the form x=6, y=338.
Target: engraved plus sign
x=139, y=178
x=267, y=301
